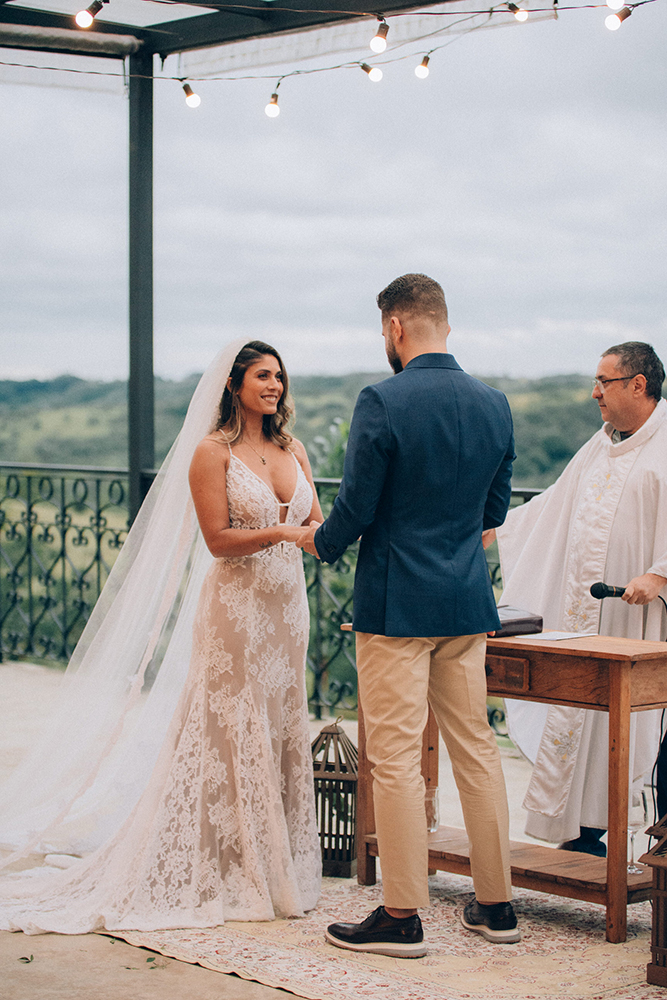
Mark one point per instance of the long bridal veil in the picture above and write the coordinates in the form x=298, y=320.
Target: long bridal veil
x=80, y=782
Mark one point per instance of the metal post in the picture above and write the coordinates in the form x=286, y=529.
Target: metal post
x=140, y=389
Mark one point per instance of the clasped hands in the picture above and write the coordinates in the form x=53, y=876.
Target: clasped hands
x=302, y=536
x=306, y=539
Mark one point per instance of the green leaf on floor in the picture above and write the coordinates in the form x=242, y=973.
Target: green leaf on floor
x=26, y=960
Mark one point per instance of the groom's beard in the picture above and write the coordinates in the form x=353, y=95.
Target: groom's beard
x=392, y=357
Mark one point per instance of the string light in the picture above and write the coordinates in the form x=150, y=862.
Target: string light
x=519, y=13
x=614, y=21
x=374, y=72
x=86, y=17
x=272, y=110
x=191, y=99
x=422, y=70
x=379, y=40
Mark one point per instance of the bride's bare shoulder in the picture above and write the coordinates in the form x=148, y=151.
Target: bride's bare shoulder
x=211, y=452
x=297, y=449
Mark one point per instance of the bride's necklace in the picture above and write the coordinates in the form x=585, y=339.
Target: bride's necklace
x=260, y=457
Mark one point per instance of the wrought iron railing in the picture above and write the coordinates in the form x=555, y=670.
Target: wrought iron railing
x=61, y=528
x=331, y=662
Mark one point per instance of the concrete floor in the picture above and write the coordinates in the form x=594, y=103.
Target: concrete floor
x=93, y=966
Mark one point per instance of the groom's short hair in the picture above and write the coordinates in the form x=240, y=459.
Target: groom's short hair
x=413, y=293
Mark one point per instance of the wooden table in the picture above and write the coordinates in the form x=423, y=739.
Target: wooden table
x=618, y=676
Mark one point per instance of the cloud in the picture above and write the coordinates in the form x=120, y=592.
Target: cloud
x=550, y=346
x=526, y=174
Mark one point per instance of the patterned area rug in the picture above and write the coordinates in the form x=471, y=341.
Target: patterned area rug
x=563, y=954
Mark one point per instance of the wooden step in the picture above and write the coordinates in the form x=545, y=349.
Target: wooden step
x=542, y=869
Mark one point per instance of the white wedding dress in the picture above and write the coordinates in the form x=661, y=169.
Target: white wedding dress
x=224, y=827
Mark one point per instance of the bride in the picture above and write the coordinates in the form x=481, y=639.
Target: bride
x=174, y=783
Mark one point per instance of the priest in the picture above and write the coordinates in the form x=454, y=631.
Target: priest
x=604, y=519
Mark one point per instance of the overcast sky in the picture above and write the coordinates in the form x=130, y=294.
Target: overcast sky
x=527, y=174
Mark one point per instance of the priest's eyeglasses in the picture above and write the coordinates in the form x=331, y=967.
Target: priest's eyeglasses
x=601, y=383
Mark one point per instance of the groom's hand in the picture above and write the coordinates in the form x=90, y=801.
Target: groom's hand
x=306, y=541
x=488, y=537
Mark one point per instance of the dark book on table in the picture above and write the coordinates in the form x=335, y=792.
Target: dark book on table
x=517, y=621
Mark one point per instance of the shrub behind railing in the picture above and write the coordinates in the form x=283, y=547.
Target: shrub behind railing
x=61, y=528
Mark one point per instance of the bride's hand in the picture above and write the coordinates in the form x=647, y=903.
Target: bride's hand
x=291, y=532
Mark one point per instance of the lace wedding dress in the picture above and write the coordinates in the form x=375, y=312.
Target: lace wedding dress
x=225, y=826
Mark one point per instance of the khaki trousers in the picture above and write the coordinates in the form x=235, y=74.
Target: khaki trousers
x=398, y=678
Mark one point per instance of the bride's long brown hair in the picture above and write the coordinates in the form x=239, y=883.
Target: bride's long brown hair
x=274, y=425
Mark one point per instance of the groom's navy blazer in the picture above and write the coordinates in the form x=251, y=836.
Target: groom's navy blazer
x=428, y=466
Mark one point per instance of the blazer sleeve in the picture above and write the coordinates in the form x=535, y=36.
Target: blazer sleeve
x=367, y=457
x=500, y=490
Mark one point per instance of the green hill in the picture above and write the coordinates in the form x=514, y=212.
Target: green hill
x=71, y=421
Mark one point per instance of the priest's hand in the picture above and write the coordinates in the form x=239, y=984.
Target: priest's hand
x=306, y=539
x=644, y=589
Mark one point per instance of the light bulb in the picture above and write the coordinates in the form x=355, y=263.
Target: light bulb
x=422, y=70
x=86, y=17
x=191, y=99
x=519, y=13
x=272, y=110
x=374, y=72
x=614, y=21
x=615, y=4
x=379, y=41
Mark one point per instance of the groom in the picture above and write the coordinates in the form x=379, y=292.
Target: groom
x=427, y=468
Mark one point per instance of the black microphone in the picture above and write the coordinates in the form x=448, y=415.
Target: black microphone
x=600, y=590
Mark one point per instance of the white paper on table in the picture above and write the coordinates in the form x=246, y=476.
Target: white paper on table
x=555, y=636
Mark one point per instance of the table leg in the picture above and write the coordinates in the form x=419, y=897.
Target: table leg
x=366, y=874
x=619, y=774
x=430, y=751
x=430, y=758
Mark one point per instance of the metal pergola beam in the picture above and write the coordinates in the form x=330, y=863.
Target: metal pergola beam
x=141, y=409
x=49, y=19
x=230, y=25
x=255, y=19
x=197, y=32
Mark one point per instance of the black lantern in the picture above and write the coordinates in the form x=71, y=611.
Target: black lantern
x=335, y=770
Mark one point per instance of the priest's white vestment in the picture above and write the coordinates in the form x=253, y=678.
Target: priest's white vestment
x=605, y=519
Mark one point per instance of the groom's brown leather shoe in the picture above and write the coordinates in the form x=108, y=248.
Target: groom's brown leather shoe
x=381, y=934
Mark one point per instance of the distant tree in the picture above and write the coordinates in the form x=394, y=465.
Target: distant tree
x=548, y=432
x=327, y=451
